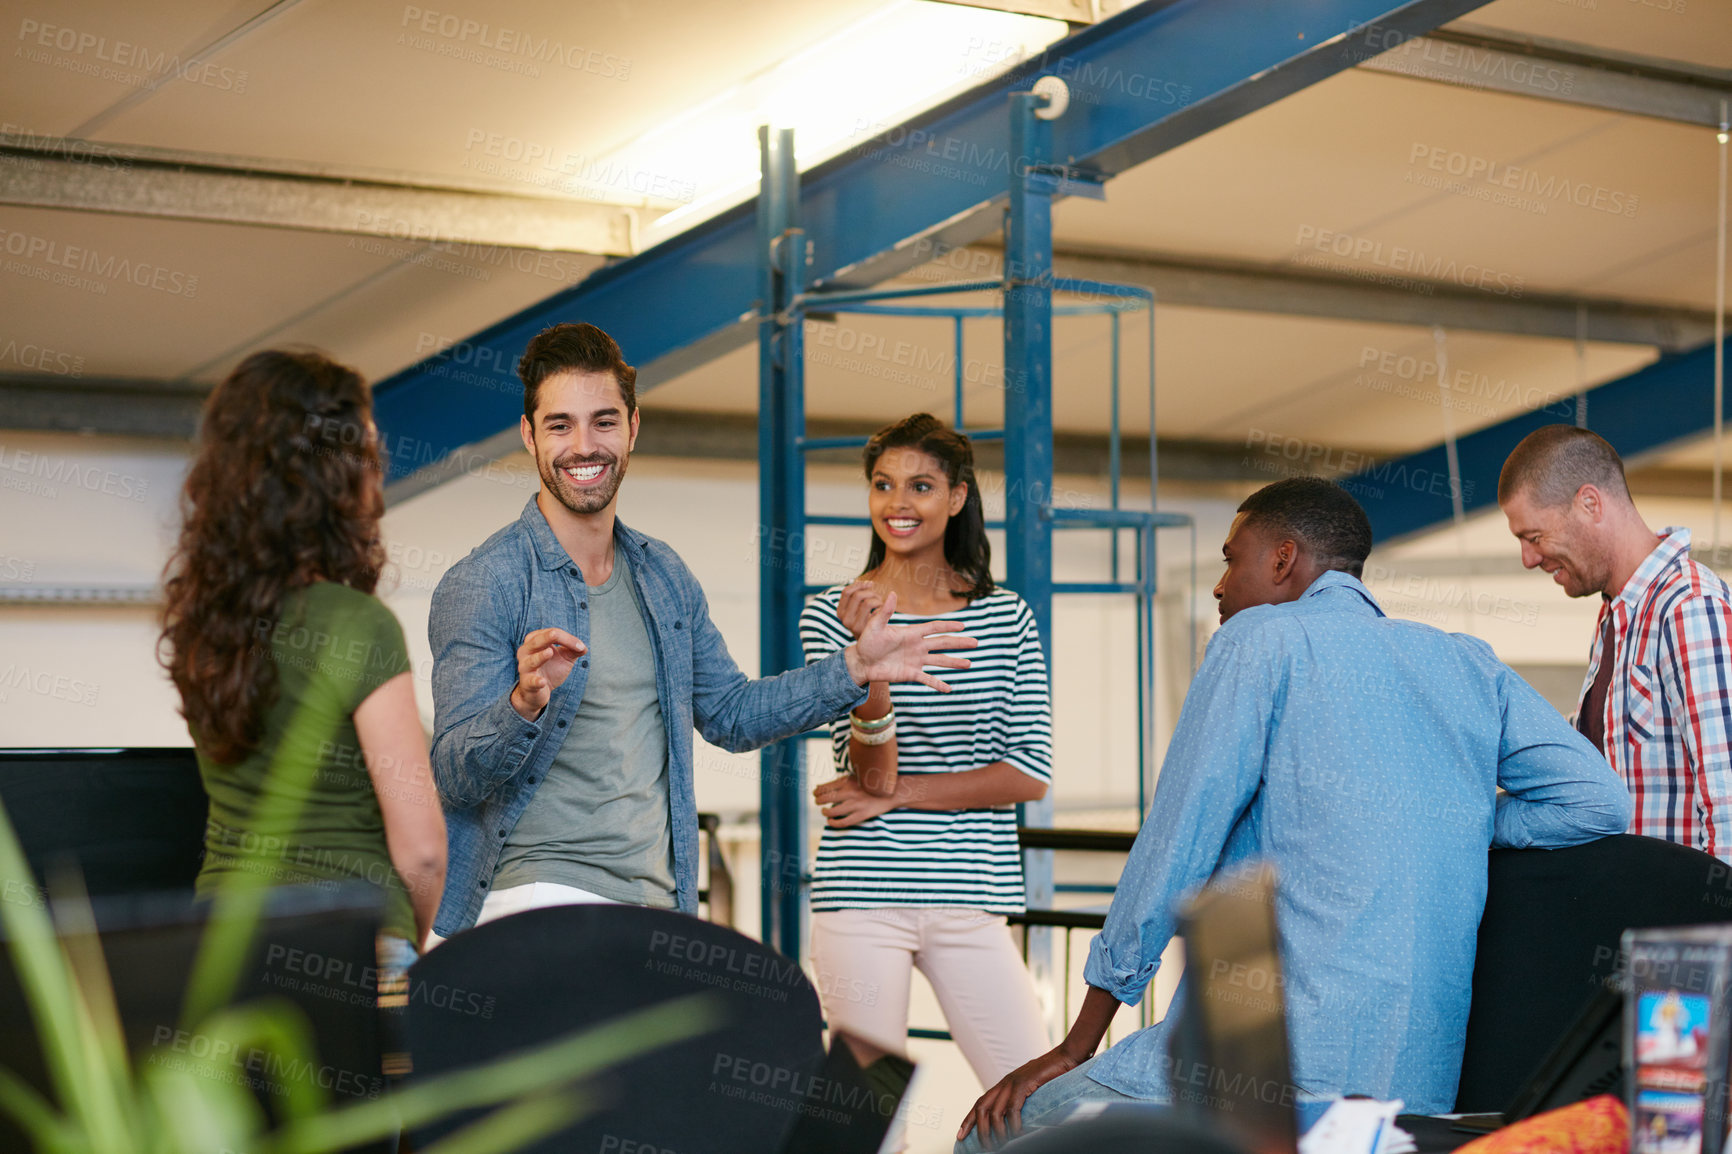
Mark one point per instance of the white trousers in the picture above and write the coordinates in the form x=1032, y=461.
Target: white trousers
x=534, y=896
x=865, y=961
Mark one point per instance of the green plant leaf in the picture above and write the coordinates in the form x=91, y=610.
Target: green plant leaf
x=273, y=1034
x=528, y=1071
x=520, y=1124
x=49, y=1132
x=70, y=1044
x=75, y=923
x=196, y=1111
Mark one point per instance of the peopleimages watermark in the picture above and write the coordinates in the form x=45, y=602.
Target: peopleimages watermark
x=785, y=548
x=1089, y=81
x=337, y=438
x=849, y=349
x=415, y=567
x=719, y=964
x=40, y=474
x=1399, y=259
x=76, y=266
x=1392, y=369
x=47, y=147
x=1415, y=54
x=485, y=366
x=503, y=48
x=1301, y=456
x=47, y=683
x=1485, y=179
x=41, y=359
x=254, y=1066
x=614, y=1144
x=1435, y=597
x=801, y=1091
x=18, y=892
x=407, y=242
x=547, y=165
x=136, y=65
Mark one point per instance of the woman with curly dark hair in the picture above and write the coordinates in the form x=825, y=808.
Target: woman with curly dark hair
x=294, y=679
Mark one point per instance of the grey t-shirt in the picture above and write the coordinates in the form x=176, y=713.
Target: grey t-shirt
x=600, y=820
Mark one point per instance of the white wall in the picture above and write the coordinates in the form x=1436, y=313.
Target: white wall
x=102, y=511
x=89, y=511
x=84, y=511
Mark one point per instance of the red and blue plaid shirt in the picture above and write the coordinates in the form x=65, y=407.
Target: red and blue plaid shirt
x=1669, y=706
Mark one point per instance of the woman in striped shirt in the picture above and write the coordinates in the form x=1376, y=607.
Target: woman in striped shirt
x=919, y=862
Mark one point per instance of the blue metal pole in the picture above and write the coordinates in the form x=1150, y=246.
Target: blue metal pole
x=781, y=525
x=1028, y=365
x=1150, y=565
x=1113, y=451
x=958, y=323
x=1028, y=438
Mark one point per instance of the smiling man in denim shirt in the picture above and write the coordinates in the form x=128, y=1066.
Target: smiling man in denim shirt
x=1363, y=757
x=573, y=657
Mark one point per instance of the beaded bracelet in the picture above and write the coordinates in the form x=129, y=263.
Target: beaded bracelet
x=875, y=737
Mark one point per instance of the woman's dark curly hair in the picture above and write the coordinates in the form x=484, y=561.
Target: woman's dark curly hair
x=286, y=490
x=966, y=549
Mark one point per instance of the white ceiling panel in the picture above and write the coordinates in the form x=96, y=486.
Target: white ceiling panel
x=1382, y=178
x=68, y=60
x=1694, y=31
x=168, y=299
x=1393, y=180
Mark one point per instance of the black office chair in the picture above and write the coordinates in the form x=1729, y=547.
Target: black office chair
x=132, y=820
x=1548, y=941
x=544, y=974
x=314, y=950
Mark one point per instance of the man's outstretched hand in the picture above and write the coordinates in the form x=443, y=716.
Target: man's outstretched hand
x=887, y=652
x=544, y=661
x=998, y=1113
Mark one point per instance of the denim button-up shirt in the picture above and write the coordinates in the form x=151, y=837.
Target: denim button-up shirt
x=1363, y=757
x=488, y=761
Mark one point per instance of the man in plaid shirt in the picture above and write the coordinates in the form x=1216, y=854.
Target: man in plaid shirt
x=1658, y=694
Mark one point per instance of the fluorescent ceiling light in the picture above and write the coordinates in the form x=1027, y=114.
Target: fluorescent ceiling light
x=852, y=85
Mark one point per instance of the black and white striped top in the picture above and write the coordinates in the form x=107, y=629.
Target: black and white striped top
x=999, y=709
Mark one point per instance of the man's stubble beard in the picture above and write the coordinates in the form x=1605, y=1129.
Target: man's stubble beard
x=584, y=502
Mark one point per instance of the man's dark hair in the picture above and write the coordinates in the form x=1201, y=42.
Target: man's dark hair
x=1552, y=464
x=574, y=348
x=1320, y=515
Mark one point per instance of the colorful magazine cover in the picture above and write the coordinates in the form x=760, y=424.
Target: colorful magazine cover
x=1666, y=1123
x=1676, y=1038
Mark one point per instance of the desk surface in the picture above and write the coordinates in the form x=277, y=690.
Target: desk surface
x=1434, y=1135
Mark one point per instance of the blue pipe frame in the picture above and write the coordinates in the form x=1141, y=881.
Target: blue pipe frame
x=1027, y=311
x=1661, y=404
x=1143, y=82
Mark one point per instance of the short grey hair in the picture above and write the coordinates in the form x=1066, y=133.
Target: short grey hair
x=1553, y=463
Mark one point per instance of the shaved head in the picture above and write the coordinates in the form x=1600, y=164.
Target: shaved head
x=1552, y=464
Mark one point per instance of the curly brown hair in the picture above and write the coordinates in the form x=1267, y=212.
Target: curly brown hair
x=286, y=490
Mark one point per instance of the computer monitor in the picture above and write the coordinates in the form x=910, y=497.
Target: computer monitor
x=853, y=1102
x=1587, y=1060
x=131, y=820
x=1231, y=1061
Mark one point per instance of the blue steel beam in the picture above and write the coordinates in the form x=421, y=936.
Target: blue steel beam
x=781, y=514
x=1669, y=400
x=1142, y=82
x=1028, y=439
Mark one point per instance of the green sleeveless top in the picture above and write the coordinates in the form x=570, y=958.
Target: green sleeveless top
x=333, y=646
